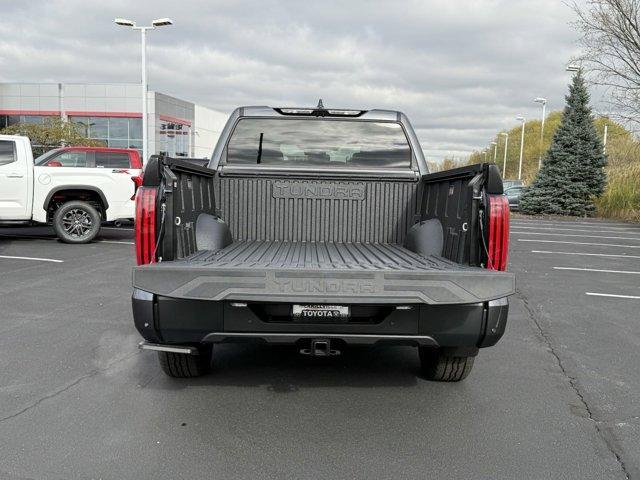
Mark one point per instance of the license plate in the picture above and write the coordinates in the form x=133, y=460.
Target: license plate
x=320, y=312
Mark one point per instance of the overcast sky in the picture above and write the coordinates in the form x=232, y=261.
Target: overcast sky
x=461, y=69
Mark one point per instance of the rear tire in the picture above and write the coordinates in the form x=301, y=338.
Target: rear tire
x=183, y=365
x=76, y=222
x=439, y=367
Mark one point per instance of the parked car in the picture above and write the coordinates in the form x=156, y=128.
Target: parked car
x=320, y=228
x=506, y=184
x=74, y=189
x=513, y=196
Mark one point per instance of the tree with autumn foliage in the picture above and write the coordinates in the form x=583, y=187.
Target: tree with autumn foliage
x=52, y=133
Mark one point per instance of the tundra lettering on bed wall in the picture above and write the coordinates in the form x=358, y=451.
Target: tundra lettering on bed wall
x=319, y=191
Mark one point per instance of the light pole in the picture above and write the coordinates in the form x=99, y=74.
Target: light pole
x=495, y=150
x=523, y=120
x=605, y=117
x=159, y=22
x=542, y=101
x=506, y=144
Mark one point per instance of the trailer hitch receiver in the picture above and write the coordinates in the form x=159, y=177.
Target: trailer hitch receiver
x=320, y=347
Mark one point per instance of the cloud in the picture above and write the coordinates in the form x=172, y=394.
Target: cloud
x=460, y=69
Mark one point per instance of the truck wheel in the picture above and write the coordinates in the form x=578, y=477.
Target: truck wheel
x=76, y=222
x=439, y=367
x=183, y=365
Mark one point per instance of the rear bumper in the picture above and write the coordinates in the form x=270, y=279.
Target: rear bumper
x=350, y=338
x=167, y=321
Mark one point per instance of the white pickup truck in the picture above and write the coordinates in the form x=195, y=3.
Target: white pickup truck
x=74, y=189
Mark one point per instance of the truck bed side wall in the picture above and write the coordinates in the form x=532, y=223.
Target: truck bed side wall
x=188, y=191
x=453, y=197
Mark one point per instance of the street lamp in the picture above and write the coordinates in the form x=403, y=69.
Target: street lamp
x=506, y=143
x=495, y=150
x=159, y=22
x=523, y=120
x=542, y=101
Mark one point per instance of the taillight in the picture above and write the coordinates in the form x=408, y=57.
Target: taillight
x=498, y=232
x=137, y=183
x=145, y=226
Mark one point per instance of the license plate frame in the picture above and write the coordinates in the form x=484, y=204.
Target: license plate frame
x=321, y=313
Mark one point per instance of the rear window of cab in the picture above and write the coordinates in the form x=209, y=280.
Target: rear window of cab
x=319, y=142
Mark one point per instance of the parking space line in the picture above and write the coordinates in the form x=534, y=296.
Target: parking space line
x=117, y=228
x=560, y=222
x=54, y=238
x=577, y=243
x=53, y=260
x=567, y=225
x=628, y=272
x=620, y=231
x=30, y=237
x=620, y=255
x=612, y=295
x=574, y=235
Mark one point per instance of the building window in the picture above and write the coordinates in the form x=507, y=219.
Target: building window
x=34, y=119
x=99, y=128
x=135, y=128
x=174, y=139
x=9, y=120
x=119, y=128
x=116, y=132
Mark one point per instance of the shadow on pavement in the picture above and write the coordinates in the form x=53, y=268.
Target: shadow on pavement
x=107, y=232
x=282, y=369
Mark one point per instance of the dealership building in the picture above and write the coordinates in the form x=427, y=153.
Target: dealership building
x=112, y=112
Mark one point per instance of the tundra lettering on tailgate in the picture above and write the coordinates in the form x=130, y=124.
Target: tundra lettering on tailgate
x=324, y=285
x=316, y=190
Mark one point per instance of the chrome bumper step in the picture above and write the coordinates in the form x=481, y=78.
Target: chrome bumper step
x=157, y=347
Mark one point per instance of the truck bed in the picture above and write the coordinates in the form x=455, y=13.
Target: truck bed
x=322, y=272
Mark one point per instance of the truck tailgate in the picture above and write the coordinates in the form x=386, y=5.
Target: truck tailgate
x=322, y=272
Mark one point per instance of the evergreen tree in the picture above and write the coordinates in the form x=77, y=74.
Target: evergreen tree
x=572, y=174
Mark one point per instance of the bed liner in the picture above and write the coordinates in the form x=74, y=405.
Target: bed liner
x=322, y=272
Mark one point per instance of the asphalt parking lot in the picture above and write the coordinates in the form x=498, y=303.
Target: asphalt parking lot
x=558, y=397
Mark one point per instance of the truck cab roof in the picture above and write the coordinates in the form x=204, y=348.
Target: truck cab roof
x=346, y=113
